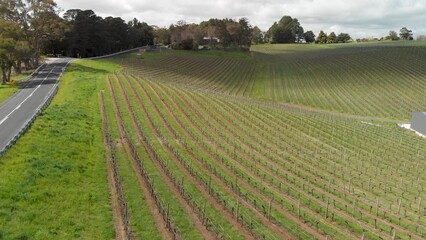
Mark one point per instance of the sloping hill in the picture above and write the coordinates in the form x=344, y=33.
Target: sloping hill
x=381, y=80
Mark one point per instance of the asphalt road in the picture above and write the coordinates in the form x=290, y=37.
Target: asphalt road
x=18, y=110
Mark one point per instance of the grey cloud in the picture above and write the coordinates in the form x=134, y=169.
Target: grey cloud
x=360, y=18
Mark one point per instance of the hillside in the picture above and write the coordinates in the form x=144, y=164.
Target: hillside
x=379, y=80
x=287, y=142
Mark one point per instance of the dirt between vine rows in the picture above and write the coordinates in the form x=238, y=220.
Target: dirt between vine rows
x=301, y=223
x=273, y=226
x=182, y=202
x=228, y=216
x=333, y=197
x=399, y=228
x=149, y=200
x=119, y=226
x=120, y=233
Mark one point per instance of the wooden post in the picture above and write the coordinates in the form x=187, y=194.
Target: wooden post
x=210, y=184
x=399, y=205
x=353, y=210
x=377, y=207
x=298, y=207
x=237, y=209
x=269, y=210
x=326, y=209
x=420, y=203
x=369, y=185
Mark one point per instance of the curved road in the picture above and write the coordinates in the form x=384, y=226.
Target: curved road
x=19, y=110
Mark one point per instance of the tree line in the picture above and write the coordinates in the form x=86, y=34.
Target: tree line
x=289, y=30
x=30, y=28
x=89, y=35
x=219, y=33
x=25, y=26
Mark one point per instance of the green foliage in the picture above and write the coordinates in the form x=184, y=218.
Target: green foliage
x=406, y=34
x=225, y=33
x=53, y=183
x=332, y=38
x=258, y=36
x=322, y=37
x=392, y=36
x=343, y=38
x=91, y=35
x=309, y=37
x=13, y=47
x=287, y=30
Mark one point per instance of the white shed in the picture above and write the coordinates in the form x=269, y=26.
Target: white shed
x=418, y=122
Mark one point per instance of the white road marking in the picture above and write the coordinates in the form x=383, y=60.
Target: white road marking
x=4, y=119
x=31, y=94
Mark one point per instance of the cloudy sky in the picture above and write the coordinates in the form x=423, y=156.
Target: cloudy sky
x=359, y=18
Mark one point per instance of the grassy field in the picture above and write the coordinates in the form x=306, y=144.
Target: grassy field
x=226, y=145
x=372, y=79
x=53, y=181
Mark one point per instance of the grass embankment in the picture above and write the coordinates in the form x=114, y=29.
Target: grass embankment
x=53, y=182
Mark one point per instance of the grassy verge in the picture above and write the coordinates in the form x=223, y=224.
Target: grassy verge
x=6, y=91
x=53, y=182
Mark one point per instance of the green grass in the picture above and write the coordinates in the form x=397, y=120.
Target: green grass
x=53, y=182
x=381, y=79
x=296, y=154
x=6, y=91
x=21, y=76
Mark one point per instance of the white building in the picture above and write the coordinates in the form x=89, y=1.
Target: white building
x=418, y=122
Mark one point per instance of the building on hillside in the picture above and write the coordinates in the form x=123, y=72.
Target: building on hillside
x=211, y=39
x=418, y=122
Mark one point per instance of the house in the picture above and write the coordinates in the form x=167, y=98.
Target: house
x=211, y=39
x=418, y=122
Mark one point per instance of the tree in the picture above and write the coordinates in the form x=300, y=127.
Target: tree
x=6, y=57
x=392, y=36
x=331, y=38
x=13, y=47
x=322, y=37
x=258, y=36
x=406, y=34
x=343, y=38
x=245, y=33
x=309, y=37
x=38, y=19
x=287, y=30
x=161, y=36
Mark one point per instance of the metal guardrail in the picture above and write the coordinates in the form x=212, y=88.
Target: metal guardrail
x=27, y=78
x=26, y=126
x=118, y=53
x=28, y=123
